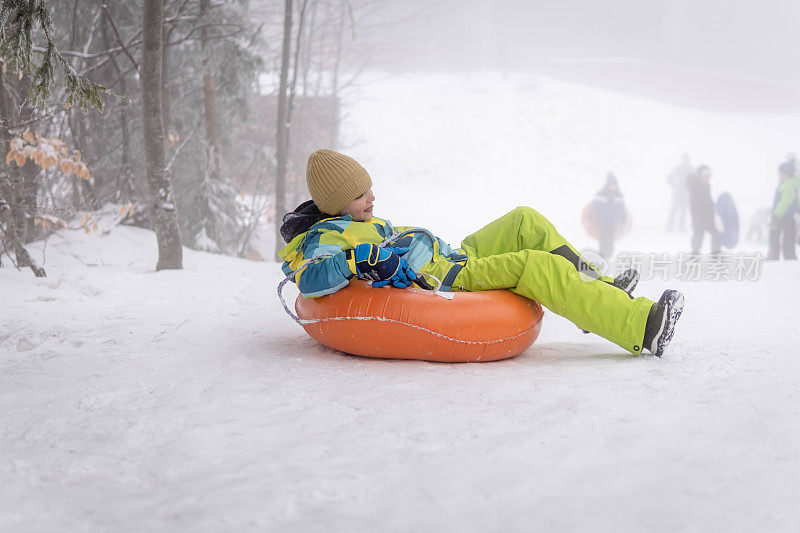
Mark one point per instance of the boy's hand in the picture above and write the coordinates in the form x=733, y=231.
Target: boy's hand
x=383, y=266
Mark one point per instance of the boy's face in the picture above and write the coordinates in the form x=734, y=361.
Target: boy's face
x=360, y=208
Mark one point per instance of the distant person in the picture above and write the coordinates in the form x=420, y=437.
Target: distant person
x=782, y=227
x=702, y=210
x=607, y=214
x=678, y=179
x=792, y=159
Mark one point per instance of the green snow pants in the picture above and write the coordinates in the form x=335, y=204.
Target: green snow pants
x=523, y=252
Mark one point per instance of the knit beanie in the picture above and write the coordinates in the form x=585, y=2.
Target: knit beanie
x=334, y=180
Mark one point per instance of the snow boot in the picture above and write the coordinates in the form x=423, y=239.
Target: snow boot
x=661, y=321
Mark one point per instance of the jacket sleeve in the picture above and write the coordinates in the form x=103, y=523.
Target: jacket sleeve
x=327, y=275
x=331, y=269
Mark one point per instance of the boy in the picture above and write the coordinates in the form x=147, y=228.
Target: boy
x=782, y=227
x=520, y=251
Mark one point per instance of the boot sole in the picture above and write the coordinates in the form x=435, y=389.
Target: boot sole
x=632, y=283
x=667, y=330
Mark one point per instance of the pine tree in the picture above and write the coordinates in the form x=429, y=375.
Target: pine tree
x=18, y=21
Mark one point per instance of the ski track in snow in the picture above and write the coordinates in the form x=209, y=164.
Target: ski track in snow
x=187, y=400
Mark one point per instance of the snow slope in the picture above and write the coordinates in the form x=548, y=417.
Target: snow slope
x=487, y=143
x=188, y=401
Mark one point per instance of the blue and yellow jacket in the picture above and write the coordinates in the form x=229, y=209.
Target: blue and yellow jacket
x=334, y=238
x=785, y=203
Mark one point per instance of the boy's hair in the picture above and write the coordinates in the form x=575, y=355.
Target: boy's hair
x=787, y=168
x=334, y=180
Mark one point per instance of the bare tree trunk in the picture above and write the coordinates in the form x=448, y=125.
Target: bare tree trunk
x=12, y=210
x=309, y=47
x=30, y=176
x=339, y=45
x=30, y=188
x=282, y=134
x=166, y=107
x=82, y=193
x=162, y=203
x=125, y=157
x=209, y=93
x=125, y=177
x=294, y=185
x=322, y=51
x=336, y=66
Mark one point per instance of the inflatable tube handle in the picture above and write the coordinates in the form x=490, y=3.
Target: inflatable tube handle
x=283, y=302
x=289, y=276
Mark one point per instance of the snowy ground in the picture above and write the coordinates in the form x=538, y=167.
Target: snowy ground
x=133, y=400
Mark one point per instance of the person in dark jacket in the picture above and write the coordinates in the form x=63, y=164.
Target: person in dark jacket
x=782, y=227
x=608, y=215
x=680, y=195
x=701, y=207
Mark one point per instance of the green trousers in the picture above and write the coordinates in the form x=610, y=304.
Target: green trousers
x=523, y=252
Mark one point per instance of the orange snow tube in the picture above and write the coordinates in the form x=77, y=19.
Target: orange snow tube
x=415, y=324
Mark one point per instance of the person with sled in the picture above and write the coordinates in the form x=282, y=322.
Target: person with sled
x=678, y=181
x=702, y=210
x=335, y=237
x=607, y=214
x=782, y=226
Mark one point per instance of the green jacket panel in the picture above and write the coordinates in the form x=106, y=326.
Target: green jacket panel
x=785, y=202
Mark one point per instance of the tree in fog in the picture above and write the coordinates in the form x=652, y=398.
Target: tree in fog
x=18, y=182
x=219, y=136
x=104, y=41
x=313, y=45
x=222, y=79
x=282, y=127
x=162, y=203
x=209, y=92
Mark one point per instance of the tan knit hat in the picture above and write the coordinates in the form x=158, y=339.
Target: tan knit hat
x=334, y=180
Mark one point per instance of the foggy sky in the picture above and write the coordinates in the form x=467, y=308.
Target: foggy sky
x=750, y=49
